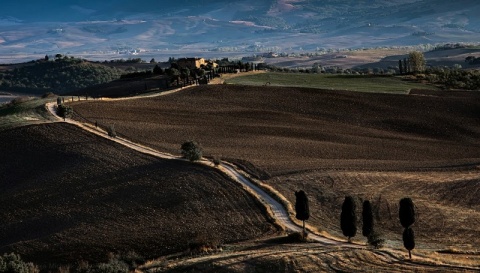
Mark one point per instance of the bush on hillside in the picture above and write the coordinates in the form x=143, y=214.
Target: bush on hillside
x=296, y=237
x=111, y=131
x=192, y=150
x=216, y=161
x=64, y=111
x=375, y=240
x=12, y=263
x=113, y=266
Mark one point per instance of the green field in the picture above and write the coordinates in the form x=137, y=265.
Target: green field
x=378, y=84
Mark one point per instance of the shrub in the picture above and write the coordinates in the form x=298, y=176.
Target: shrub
x=191, y=150
x=113, y=266
x=204, y=243
x=133, y=259
x=296, y=237
x=216, y=161
x=48, y=95
x=12, y=263
x=64, y=111
x=111, y=131
x=374, y=240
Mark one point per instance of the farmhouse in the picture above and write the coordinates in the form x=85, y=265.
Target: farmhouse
x=191, y=63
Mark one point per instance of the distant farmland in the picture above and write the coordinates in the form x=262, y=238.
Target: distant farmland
x=363, y=83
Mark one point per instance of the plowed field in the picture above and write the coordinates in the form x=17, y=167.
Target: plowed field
x=67, y=195
x=331, y=143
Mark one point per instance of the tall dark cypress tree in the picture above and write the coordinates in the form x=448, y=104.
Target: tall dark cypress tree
x=406, y=212
x=400, y=67
x=348, y=218
x=367, y=218
x=409, y=241
x=301, y=208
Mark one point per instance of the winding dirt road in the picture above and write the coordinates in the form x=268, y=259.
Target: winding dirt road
x=280, y=214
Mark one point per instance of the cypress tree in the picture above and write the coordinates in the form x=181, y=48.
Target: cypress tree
x=406, y=212
x=348, y=218
x=406, y=68
x=301, y=208
x=400, y=67
x=367, y=217
x=409, y=241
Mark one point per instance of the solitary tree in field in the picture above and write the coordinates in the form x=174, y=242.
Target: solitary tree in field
x=417, y=62
x=406, y=212
x=64, y=111
x=191, y=150
x=301, y=208
x=409, y=241
x=367, y=218
x=348, y=218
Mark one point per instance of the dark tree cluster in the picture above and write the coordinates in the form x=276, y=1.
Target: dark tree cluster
x=127, y=61
x=454, y=78
x=64, y=111
x=64, y=74
x=348, y=222
x=472, y=60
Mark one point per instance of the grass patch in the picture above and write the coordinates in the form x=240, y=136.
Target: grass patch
x=362, y=83
x=24, y=111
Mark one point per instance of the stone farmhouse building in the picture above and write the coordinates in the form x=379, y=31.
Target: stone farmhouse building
x=192, y=63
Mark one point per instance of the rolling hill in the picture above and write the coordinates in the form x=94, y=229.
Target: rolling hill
x=331, y=143
x=67, y=195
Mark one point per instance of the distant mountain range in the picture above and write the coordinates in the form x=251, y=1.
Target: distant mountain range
x=110, y=29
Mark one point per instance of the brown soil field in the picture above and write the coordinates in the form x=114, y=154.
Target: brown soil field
x=67, y=195
x=380, y=147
